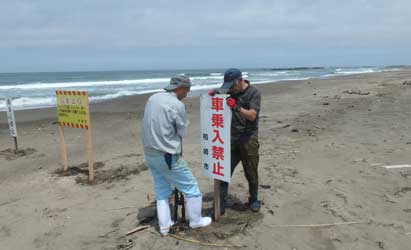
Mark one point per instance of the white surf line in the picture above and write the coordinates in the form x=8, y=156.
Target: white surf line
x=397, y=166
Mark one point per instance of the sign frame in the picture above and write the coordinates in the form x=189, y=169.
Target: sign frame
x=12, y=122
x=69, y=104
x=215, y=117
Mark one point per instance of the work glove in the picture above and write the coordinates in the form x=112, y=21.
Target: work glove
x=211, y=92
x=232, y=103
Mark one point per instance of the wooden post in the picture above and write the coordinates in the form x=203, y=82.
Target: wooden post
x=216, y=199
x=63, y=148
x=90, y=155
x=90, y=146
x=16, y=147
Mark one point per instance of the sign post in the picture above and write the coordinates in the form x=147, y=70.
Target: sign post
x=12, y=123
x=216, y=142
x=73, y=111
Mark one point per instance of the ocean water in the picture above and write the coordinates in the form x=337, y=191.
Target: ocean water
x=37, y=90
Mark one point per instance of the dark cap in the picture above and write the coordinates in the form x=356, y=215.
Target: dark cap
x=178, y=81
x=230, y=76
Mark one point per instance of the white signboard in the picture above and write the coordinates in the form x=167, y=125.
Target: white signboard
x=215, y=137
x=10, y=118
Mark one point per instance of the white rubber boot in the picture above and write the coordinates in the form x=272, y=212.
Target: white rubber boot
x=194, y=207
x=164, y=216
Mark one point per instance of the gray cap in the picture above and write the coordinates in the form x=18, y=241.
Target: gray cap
x=178, y=81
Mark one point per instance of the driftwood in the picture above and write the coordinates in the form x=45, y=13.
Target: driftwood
x=397, y=166
x=356, y=92
x=137, y=229
x=289, y=152
x=243, y=227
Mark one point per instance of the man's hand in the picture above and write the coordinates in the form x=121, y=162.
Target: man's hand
x=249, y=114
x=232, y=103
x=212, y=92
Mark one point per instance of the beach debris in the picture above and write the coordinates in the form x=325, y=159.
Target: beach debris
x=397, y=166
x=265, y=186
x=243, y=227
x=295, y=140
x=294, y=130
x=137, y=229
x=360, y=160
x=407, y=82
x=355, y=92
x=286, y=126
x=326, y=103
x=381, y=244
x=127, y=245
x=289, y=152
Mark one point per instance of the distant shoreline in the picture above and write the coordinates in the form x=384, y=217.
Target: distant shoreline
x=36, y=90
x=128, y=103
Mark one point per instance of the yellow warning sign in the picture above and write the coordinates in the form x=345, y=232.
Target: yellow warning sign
x=72, y=108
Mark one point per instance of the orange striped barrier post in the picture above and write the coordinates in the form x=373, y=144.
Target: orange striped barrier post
x=73, y=111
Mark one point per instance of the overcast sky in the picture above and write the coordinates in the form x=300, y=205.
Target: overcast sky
x=52, y=35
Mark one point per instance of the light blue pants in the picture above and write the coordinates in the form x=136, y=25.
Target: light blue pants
x=179, y=176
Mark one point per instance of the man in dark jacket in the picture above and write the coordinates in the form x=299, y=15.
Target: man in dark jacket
x=245, y=102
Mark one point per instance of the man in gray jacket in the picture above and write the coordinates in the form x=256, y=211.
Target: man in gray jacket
x=164, y=125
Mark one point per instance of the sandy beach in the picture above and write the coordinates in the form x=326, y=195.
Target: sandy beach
x=324, y=143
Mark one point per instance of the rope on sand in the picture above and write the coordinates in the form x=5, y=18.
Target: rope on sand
x=200, y=242
x=318, y=225
x=196, y=241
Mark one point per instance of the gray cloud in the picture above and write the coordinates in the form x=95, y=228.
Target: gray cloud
x=102, y=34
